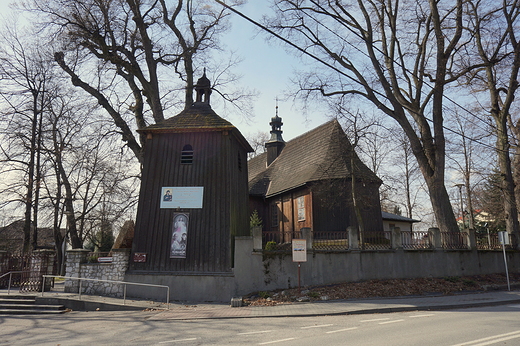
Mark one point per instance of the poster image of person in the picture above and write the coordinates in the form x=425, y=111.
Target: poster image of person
x=167, y=196
x=179, y=235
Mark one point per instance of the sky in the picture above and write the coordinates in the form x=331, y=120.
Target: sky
x=266, y=67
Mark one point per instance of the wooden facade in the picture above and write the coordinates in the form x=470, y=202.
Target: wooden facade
x=196, y=148
x=309, y=184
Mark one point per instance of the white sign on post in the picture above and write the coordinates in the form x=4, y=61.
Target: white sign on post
x=299, y=250
x=503, y=238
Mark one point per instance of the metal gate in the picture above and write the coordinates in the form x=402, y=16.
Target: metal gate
x=32, y=267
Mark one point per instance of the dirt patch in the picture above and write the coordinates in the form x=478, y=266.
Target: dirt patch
x=384, y=288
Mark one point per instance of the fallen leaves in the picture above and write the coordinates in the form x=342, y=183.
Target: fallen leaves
x=383, y=288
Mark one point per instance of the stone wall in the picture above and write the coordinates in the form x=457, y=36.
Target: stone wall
x=257, y=271
x=78, y=267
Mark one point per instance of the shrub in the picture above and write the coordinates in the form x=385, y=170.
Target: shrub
x=264, y=294
x=270, y=246
x=254, y=220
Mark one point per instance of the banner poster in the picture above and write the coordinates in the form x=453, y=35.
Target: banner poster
x=182, y=197
x=179, y=235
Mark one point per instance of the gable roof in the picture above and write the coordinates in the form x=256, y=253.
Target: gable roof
x=200, y=117
x=395, y=217
x=11, y=237
x=322, y=153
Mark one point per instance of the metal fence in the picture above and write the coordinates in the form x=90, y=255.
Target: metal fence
x=376, y=240
x=123, y=283
x=330, y=241
x=419, y=240
x=28, y=270
x=489, y=241
x=275, y=241
x=454, y=240
x=279, y=241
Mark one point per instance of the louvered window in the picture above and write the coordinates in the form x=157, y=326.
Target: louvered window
x=187, y=155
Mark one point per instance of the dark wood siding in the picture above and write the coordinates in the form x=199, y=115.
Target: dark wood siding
x=210, y=229
x=307, y=221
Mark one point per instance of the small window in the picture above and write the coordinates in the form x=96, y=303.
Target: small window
x=187, y=155
x=300, y=204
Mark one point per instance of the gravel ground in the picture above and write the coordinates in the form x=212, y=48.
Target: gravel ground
x=385, y=288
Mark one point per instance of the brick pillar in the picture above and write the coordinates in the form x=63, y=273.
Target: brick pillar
x=75, y=258
x=307, y=235
x=257, y=238
x=353, y=240
x=397, y=242
x=43, y=264
x=472, y=239
x=435, y=236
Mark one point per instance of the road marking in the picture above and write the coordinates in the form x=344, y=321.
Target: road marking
x=180, y=340
x=258, y=332
x=427, y=315
x=375, y=320
x=393, y=321
x=318, y=326
x=492, y=339
x=275, y=341
x=341, y=330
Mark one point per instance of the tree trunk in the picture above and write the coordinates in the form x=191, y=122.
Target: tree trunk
x=441, y=204
x=507, y=183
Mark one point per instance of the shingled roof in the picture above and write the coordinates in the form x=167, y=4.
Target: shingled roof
x=199, y=117
x=322, y=153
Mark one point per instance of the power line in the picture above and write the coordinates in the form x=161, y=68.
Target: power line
x=350, y=77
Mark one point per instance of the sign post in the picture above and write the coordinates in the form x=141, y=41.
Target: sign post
x=503, y=238
x=299, y=254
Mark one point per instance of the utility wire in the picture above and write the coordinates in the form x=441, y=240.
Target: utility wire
x=348, y=76
x=400, y=65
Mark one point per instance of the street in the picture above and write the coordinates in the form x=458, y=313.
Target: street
x=469, y=327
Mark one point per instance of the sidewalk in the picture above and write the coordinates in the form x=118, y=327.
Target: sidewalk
x=190, y=310
x=342, y=307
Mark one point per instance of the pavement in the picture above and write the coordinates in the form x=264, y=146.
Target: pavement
x=204, y=310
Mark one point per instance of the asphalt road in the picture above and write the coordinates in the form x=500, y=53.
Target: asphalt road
x=499, y=325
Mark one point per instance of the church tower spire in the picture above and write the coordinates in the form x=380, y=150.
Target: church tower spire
x=203, y=89
x=276, y=143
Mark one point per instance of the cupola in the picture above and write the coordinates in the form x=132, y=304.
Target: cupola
x=276, y=143
x=203, y=89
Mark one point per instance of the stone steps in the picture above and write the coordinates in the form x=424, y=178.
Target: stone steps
x=22, y=305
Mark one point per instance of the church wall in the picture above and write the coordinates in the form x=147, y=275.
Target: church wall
x=371, y=207
x=224, y=211
x=332, y=209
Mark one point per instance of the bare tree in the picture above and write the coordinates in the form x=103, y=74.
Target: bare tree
x=58, y=157
x=127, y=54
x=89, y=170
x=374, y=55
x=494, y=27
x=26, y=78
x=257, y=141
x=405, y=176
x=468, y=154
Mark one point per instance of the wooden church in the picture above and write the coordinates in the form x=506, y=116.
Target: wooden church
x=312, y=182
x=194, y=196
